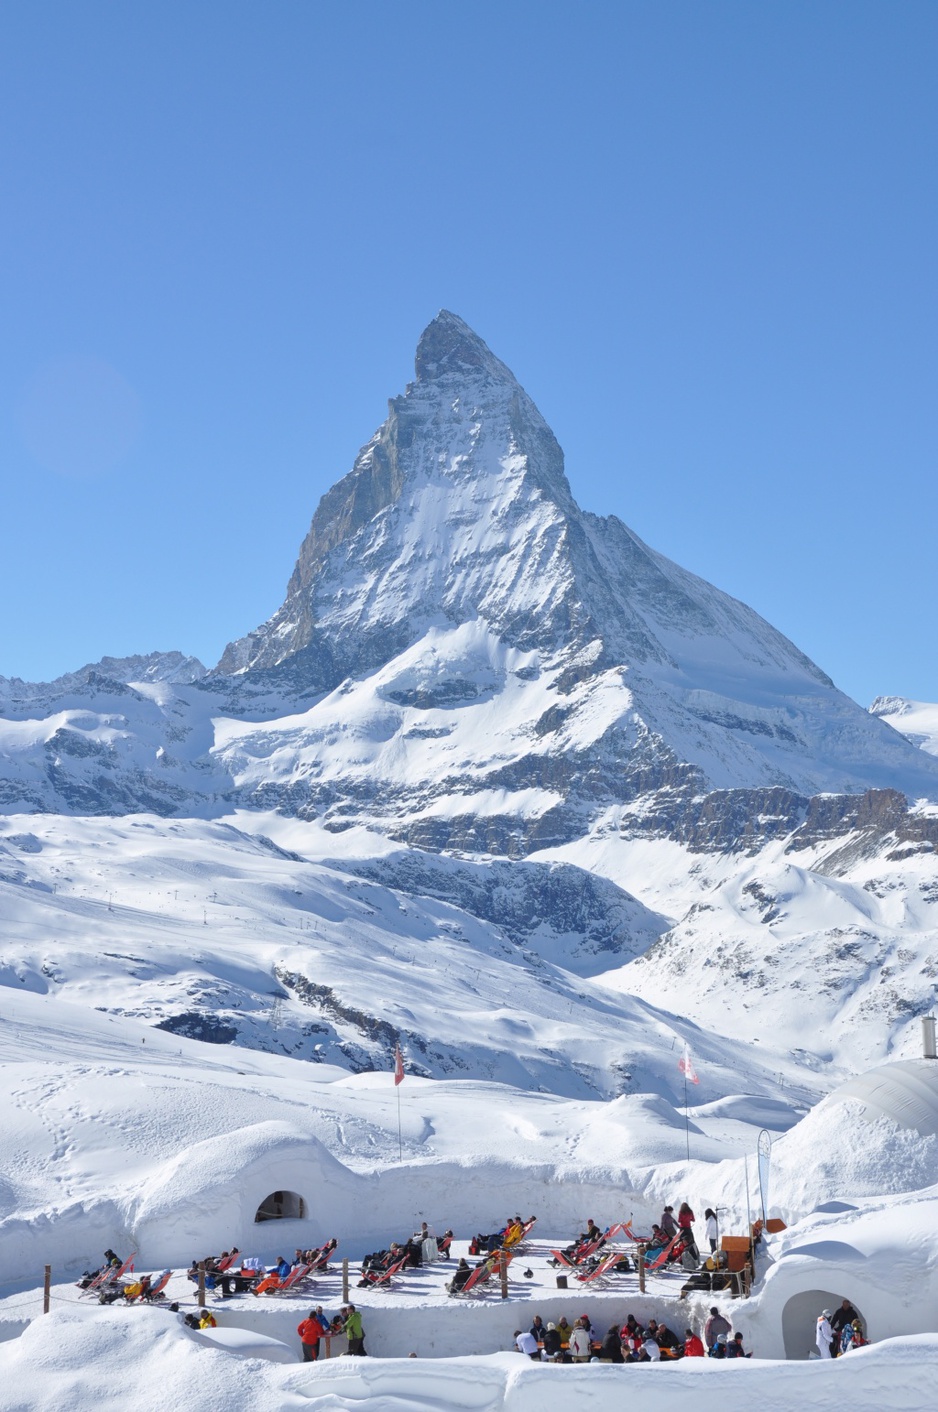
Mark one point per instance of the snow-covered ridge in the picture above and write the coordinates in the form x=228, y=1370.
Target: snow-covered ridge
x=916, y=720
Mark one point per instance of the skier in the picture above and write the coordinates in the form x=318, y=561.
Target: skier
x=712, y=1228
x=824, y=1334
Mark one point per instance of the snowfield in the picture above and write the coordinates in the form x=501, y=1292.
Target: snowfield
x=79, y=1361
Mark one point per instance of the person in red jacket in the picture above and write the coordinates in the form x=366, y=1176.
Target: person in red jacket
x=693, y=1347
x=685, y=1220
x=310, y=1331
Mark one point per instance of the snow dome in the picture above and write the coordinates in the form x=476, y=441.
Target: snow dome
x=906, y=1092
x=875, y=1135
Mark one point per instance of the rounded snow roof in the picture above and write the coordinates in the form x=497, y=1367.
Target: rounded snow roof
x=906, y=1092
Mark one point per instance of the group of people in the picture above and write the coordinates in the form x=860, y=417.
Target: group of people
x=317, y=1325
x=839, y=1332
x=231, y=1273
x=422, y=1248
x=627, y=1343
x=673, y=1236
x=508, y=1235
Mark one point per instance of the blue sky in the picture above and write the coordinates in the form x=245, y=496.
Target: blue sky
x=703, y=235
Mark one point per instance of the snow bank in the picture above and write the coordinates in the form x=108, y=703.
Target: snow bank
x=87, y=1361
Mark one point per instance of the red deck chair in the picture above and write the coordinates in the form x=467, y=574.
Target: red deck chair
x=626, y=1229
x=111, y=1276
x=484, y=1272
x=295, y=1277
x=324, y=1255
x=384, y=1279
x=604, y=1268
x=156, y=1291
x=666, y=1254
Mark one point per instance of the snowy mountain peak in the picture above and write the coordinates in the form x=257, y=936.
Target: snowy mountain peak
x=452, y=563
x=449, y=348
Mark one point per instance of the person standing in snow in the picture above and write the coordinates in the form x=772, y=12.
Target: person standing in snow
x=311, y=1331
x=668, y=1223
x=685, y=1219
x=824, y=1334
x=715, y=1326
x=843, y=1317
x=713, y=1230
x=354, y=1332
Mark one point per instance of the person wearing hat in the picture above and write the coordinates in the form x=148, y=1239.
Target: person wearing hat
x=552, y=1343
x=719, y=1348
x=824, y=1334
x=650, y=1353
x=734, y=1349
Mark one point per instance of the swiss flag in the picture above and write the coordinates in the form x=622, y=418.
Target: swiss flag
x=399, y=1065
x=686, y=1066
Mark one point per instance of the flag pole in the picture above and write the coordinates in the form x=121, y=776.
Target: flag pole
x=400, y=1140
x=398, y=1080
x=686, y=1117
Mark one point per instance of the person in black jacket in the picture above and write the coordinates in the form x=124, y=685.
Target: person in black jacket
x=611, y=1350
x=552, y=1342
x=842, y=1316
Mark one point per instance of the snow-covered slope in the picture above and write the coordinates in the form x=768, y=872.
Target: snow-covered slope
x=916, y=720
x=203, y=930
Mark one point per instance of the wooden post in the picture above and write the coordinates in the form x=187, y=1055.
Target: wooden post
x=46, y=1288
x=201, y=1284
x=641, y=1270
x=345, y=1280
x=503, y=1275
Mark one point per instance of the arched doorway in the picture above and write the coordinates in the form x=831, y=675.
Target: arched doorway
x=800, y=1316
x=281, y=1206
